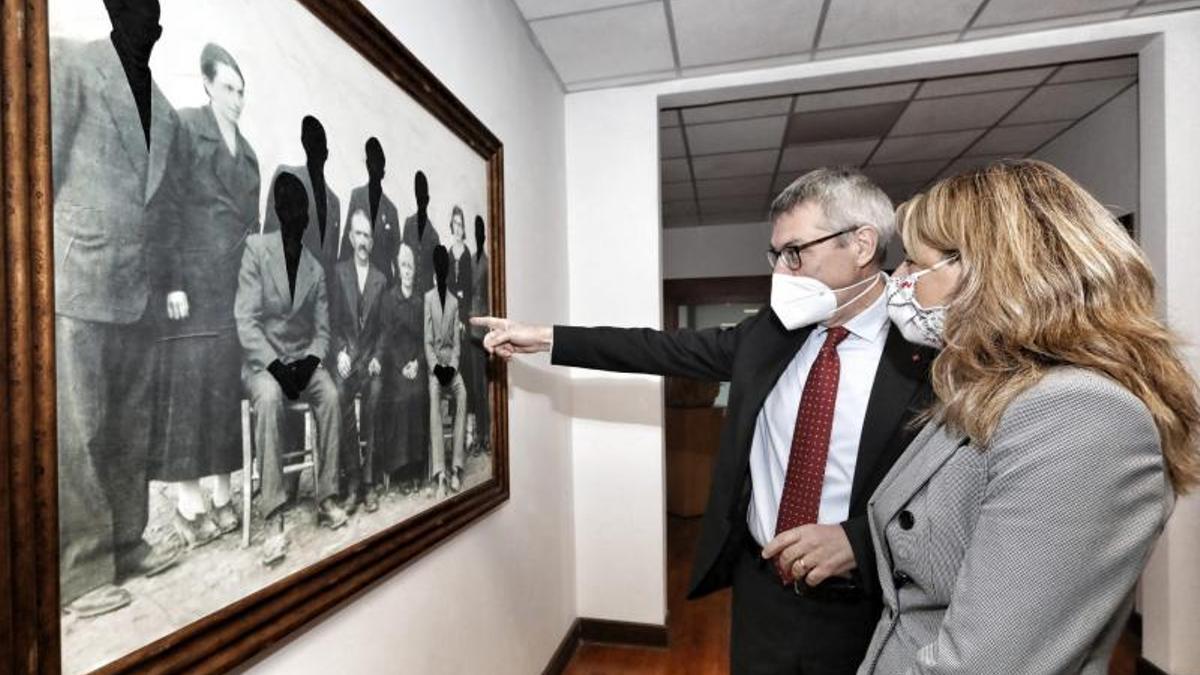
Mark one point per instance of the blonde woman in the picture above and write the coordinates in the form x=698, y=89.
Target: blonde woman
x=1012, y=531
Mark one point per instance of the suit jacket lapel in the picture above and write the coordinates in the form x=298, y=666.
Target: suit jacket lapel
x=162, y=131
x=306, y=276
x=348, y=277
x=897, y=381
x=277, y=265
x=371, y=292
x=775, y=351
x=922, y=461
x=211, y=133
x=121, y=106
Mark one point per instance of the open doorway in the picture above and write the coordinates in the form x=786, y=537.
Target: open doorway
x=724, y=160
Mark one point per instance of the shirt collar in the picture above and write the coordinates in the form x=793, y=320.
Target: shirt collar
x=869, y=323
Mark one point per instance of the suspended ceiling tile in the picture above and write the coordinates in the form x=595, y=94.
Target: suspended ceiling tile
x=1094, y=70
x=749, y=217
x=849, y=98
x=537, y=9
x=735, y=164
x=620, y=80
x=971, y=111
x=1016, y=140
x=738, y=110
x=734, y=205
x=946, y=145
x=751, y=64
x=754, y=134
x=1000, y=12
x=888, y=46
x=1044, y=24
x=854, y=22
x=904, y=173
x=868, y=121
x=721, y=31
x=675, y=170
x=1066, y=101
x=971, y=84
x=746, y=186
x=668, y=118
x=1159, y=6
x=671, y=222
x=687, y=208
x=608, y=43
x=670, y=143
x=677, y=192
x=797, y=158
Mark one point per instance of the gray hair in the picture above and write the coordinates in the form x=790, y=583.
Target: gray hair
x=847, y=199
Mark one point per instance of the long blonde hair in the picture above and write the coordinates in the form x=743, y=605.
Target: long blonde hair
x=1048, y=278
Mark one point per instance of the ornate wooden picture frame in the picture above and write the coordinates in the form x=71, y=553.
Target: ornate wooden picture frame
x=31, y=604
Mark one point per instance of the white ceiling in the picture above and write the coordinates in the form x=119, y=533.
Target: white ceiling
x=600, y=43
x=722, y=162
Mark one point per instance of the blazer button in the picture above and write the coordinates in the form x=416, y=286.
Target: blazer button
x=900, y=578
x=906, y=520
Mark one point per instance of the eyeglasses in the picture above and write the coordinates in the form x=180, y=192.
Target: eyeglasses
x=791, y=253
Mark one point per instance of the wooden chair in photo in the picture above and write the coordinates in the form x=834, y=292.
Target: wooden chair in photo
x=294, y=461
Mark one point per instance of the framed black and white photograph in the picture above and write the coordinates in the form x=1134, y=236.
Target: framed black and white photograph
x=258, y=232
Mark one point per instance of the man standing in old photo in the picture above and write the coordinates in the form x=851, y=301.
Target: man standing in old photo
x=115, y=142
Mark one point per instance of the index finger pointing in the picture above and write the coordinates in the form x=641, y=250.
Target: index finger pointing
x=489, y=322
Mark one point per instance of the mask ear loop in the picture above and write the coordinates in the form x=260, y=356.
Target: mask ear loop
x=866, y=290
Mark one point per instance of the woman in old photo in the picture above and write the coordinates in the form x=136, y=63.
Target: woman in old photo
x=404, y=436
x=197, y=427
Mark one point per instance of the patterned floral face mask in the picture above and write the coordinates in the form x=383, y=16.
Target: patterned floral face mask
x=919, y=325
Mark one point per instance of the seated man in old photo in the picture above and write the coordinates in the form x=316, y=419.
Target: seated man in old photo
x=443, y=349
x=357, y=328
x=282, y=316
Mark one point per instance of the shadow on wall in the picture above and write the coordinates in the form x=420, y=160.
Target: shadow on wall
x=625, y=400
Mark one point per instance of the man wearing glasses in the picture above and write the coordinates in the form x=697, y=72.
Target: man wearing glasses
x=822, y=390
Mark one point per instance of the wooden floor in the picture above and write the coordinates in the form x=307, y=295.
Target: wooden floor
x=699, y=630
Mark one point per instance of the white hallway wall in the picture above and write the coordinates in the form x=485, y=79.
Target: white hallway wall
x=615, y=252
x=498, y=597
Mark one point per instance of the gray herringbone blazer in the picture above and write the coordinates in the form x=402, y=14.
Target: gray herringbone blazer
x=1021, y=558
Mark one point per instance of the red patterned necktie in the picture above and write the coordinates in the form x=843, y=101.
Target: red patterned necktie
x=801, y=499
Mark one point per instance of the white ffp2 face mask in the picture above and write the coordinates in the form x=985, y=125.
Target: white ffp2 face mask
x=803, y=301
x=919, y=325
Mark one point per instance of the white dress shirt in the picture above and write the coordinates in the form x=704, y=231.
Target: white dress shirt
x=361, y=269
x=771, y=446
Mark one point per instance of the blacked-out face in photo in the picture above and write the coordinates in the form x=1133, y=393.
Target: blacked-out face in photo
x=480, y=233
x=291, y=206
x=135, y=23
x=421, y=188
x=312, y=137
x=375, y=160
x=441, y=265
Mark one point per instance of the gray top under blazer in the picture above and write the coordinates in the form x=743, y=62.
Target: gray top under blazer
x=1021, y=558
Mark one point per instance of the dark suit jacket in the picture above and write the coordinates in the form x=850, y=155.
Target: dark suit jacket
x=360, y=339
x=324, y=249
x=218, y=210
x=752, y=356
x=115, y=203
x=422, y=247
x=271, y=323
x=385, y=231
